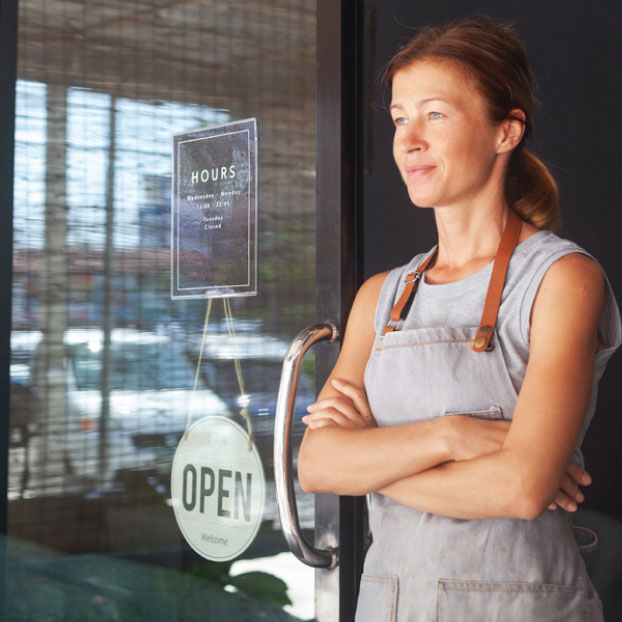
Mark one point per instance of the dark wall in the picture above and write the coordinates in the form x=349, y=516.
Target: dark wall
x=575, y=52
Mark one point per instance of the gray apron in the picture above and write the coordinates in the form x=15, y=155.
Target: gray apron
x=425, y=567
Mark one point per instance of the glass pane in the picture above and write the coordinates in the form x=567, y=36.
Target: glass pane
x=104, y=364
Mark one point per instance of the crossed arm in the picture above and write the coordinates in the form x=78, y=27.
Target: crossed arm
x=460, y=466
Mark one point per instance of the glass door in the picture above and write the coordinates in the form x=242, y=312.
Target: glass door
x=104, y=365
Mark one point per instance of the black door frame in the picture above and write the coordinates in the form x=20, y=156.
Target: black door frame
x=8, y=72
x=340, y=43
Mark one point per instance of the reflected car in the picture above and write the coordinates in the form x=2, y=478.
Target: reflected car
x=133, y=416
x=261, y=361
x=25, y=406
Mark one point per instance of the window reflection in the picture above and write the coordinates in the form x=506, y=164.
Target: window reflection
x=141, y=366
x=117, y=152
x=103, y=363
x=29, y=181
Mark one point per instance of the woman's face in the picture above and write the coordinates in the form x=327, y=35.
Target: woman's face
x=444, y=145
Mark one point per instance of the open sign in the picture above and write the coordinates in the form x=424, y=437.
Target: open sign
x=217, y=488
x=204, y=489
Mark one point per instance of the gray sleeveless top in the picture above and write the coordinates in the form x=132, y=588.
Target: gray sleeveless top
x=460, y=303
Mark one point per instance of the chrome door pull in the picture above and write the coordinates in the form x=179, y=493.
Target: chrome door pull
x=283, y=476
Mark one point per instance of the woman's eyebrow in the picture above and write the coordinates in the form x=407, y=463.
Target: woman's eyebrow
x=422, y=102
x=432, y=99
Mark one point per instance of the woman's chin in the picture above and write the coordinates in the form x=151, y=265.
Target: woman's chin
x=423, y=194
x=421, y=201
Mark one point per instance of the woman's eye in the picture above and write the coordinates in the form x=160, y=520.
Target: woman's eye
x=400, y=121
x=436, y=115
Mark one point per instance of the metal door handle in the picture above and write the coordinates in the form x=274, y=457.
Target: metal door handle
x=283, y=477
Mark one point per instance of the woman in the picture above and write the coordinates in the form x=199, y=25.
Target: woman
x=467, y=378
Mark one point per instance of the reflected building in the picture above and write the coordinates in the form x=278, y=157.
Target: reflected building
x=154, y=215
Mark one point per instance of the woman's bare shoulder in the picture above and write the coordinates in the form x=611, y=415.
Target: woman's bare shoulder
x=364, y=307
x=373, y=285
x=575, y=270
x=568, y=304
x=362, y=314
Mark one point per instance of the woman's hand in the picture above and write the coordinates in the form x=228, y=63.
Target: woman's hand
x=348, y=409
x=569, y=496
x=471, y=437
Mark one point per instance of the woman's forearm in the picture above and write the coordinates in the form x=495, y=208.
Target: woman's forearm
x=357, y=461
x=490, y=486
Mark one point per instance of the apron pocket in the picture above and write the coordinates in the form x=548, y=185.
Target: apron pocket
x=509, y=601
x=494, y=412
x=377, y=598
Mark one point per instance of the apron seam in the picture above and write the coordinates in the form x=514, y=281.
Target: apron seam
x=423, y=343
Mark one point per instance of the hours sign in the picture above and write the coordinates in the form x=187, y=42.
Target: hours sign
x=214, y=212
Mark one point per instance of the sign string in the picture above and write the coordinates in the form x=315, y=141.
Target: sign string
x=236, y=362
x=238, y=371
x=196, y=375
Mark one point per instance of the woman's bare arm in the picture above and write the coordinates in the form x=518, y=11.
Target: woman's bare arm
x=523, y=478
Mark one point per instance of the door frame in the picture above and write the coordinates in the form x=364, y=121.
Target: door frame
x=340, y=46
x=8, y=75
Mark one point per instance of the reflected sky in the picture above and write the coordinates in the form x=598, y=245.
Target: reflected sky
x=139, y=150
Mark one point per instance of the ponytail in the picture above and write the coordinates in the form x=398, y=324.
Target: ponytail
x=531, y=190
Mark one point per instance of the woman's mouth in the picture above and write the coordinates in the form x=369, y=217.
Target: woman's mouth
x=419, y=171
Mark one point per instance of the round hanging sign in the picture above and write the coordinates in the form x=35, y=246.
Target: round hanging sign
x=217, y=488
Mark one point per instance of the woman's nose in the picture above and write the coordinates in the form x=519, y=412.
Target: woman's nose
x=410, y=138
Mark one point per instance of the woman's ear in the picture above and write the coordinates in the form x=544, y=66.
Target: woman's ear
x=511, y=130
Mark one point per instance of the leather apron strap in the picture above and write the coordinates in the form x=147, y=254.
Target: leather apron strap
x=412, y=284
x=508, y=243
x=481, y=342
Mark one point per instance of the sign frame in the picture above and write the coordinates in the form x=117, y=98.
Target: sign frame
x=214, y=211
